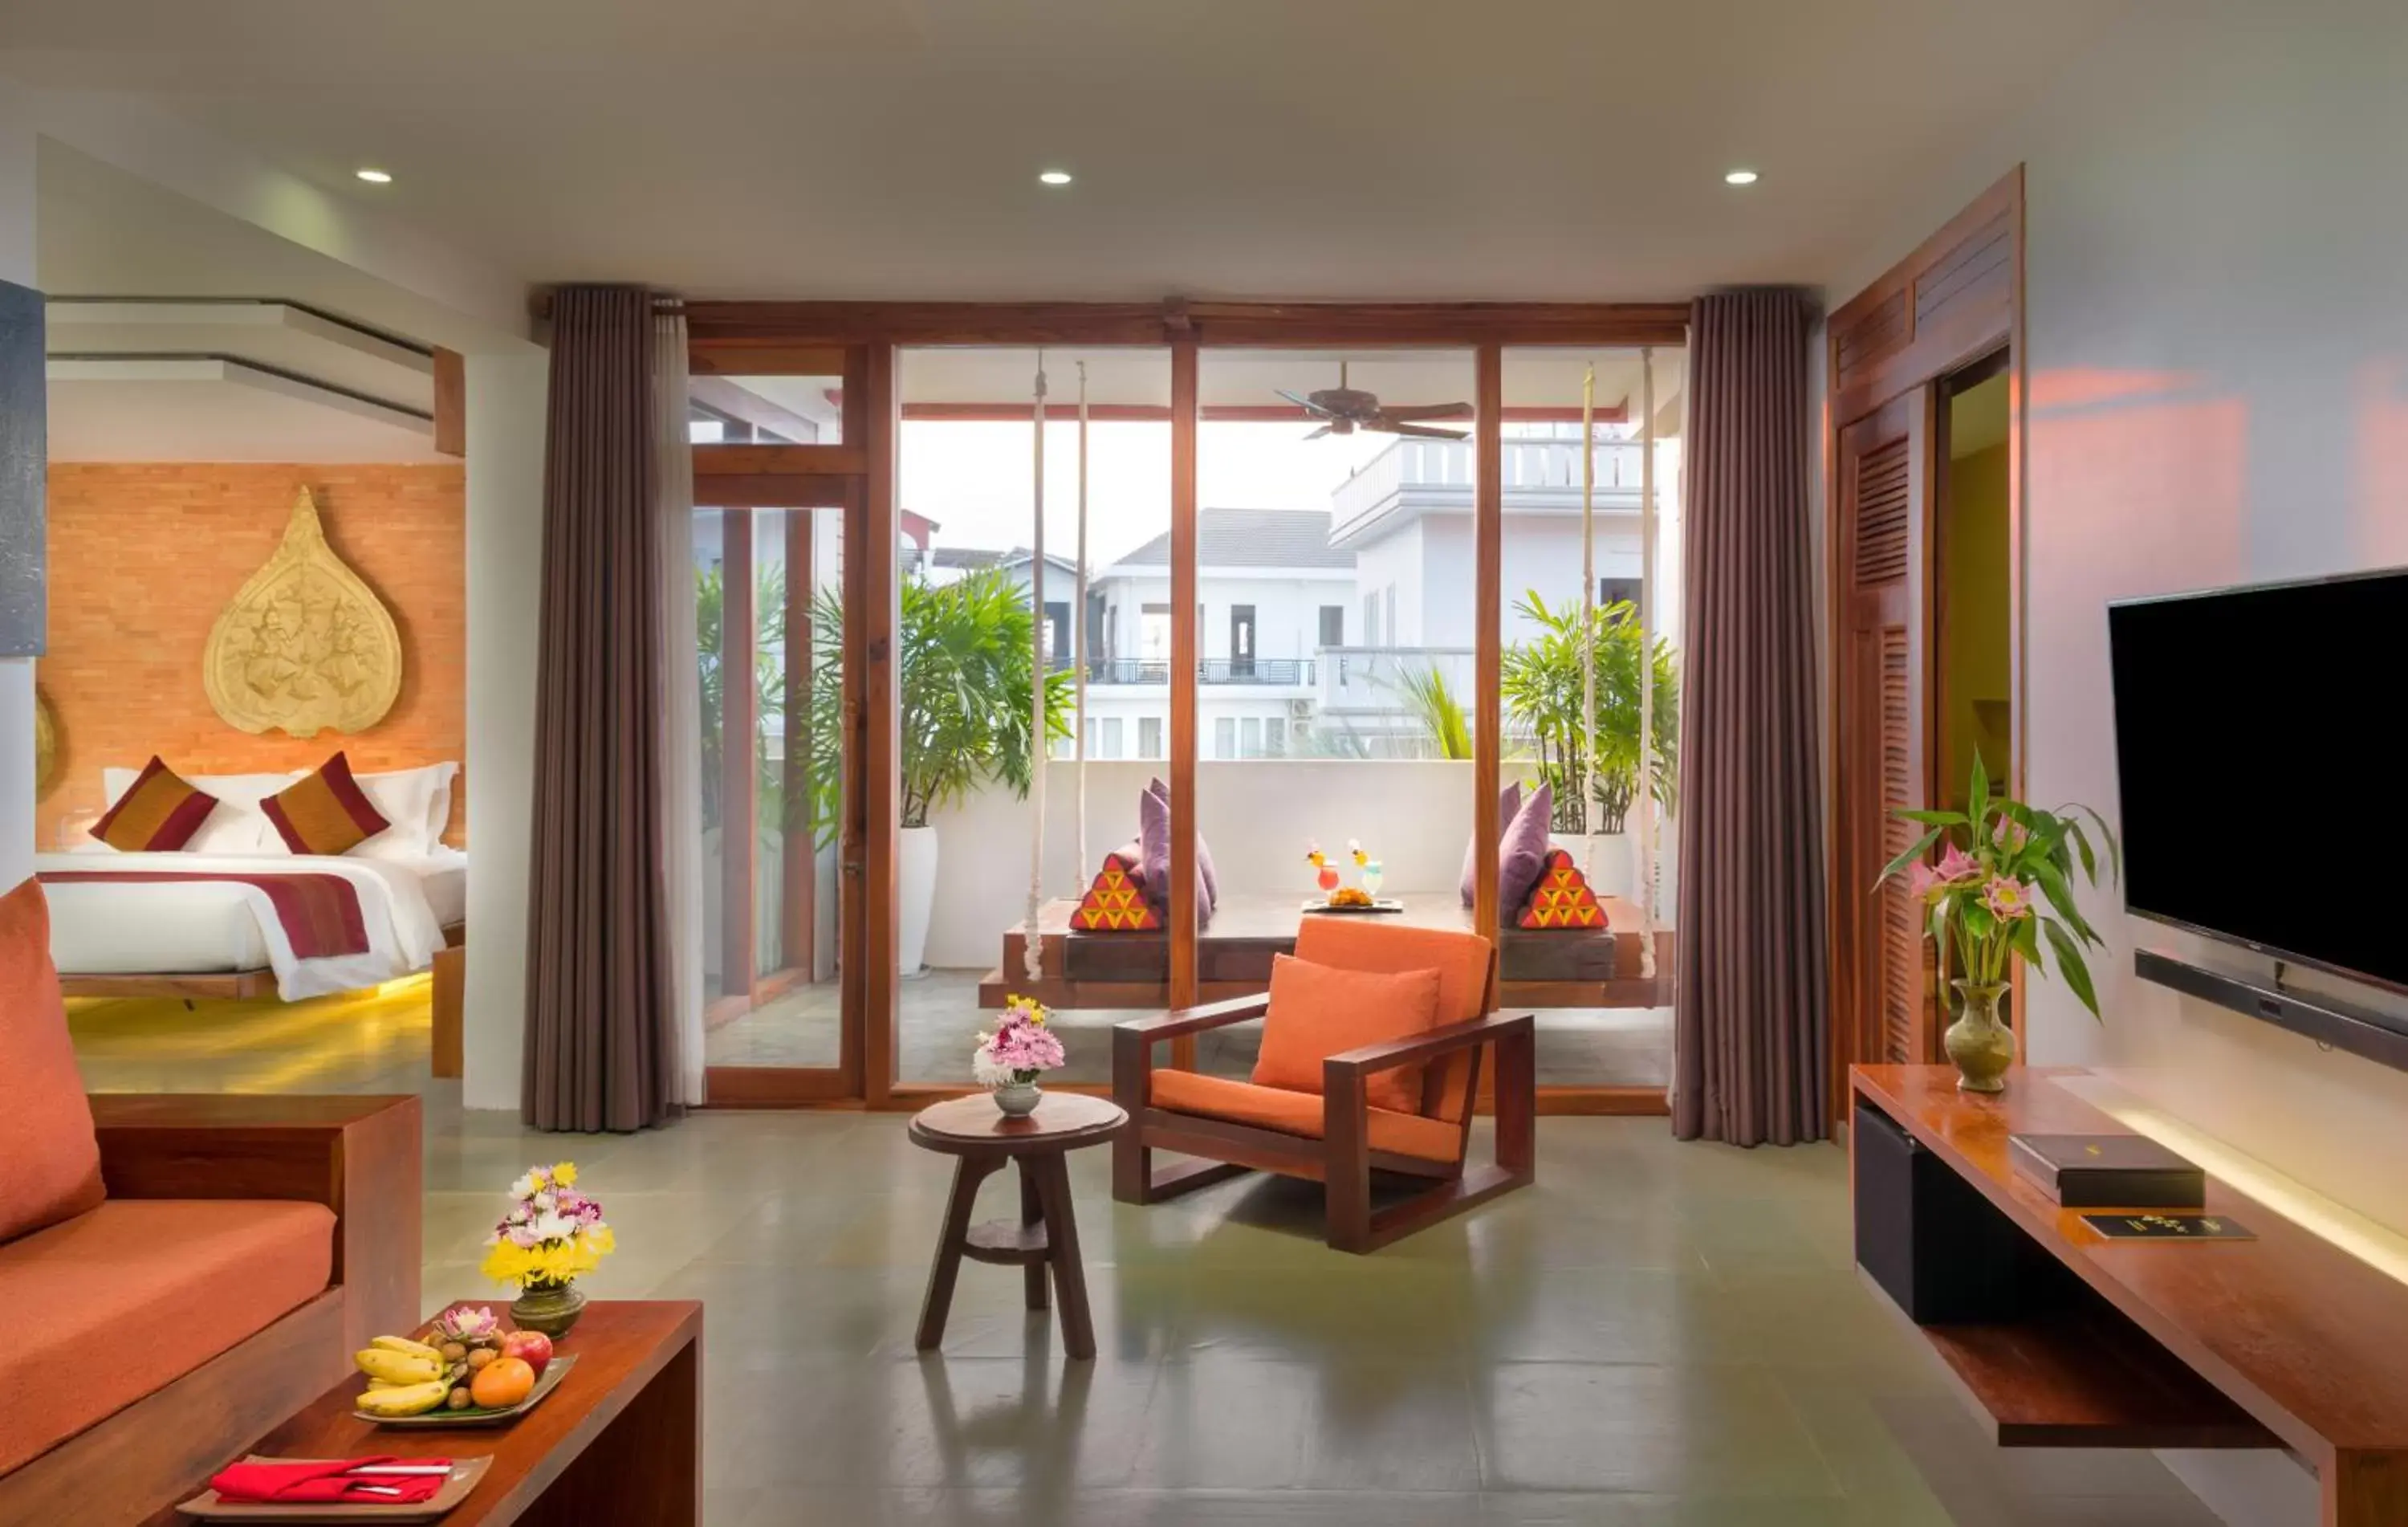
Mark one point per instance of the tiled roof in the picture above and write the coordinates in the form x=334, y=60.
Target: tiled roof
x=1251, y=538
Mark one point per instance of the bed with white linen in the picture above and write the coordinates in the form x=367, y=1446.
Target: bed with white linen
x=186, y=923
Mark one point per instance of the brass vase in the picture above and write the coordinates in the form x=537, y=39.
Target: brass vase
x=1980, y=1044
x=549, y=1307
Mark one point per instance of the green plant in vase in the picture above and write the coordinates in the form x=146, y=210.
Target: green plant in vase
x=2002, y=889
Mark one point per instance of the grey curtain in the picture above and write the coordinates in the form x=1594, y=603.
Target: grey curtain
x=1751, y=1034
x=601, y=1043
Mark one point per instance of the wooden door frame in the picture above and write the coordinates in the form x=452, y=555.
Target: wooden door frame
x=740, y=338
x=1902, y=333
x=739, y=480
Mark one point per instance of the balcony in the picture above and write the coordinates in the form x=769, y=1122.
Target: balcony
x=1541, y=477
x=1269, y=672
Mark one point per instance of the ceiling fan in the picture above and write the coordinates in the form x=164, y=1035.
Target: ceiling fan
x=1343, y=410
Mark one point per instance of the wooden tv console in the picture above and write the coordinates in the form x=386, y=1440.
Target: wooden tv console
x=2284, y=1341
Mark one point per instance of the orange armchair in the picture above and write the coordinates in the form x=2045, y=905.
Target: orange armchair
x=1339, y=1138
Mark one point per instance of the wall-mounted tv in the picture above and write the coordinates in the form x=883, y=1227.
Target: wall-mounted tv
x=2264, y=800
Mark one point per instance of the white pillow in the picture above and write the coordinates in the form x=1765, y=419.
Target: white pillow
x=417, y=804
x=236, y=825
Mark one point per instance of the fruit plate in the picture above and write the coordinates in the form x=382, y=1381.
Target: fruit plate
x=1391, y=904
x=554, y=1372
x=465, y=1472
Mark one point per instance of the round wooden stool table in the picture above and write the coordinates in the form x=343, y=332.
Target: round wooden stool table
x=975, y=1132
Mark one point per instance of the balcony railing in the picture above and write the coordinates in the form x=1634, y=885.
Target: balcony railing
x=1278, y=672
x=1539, y=476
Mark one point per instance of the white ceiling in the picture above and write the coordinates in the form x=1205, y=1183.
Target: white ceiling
x=1367, y=149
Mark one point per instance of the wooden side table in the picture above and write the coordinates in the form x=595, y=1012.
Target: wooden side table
x=975, y=1132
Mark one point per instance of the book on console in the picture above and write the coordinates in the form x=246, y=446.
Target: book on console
x=2108, y=1172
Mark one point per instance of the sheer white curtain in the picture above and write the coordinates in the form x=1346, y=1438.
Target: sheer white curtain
x=680, y=760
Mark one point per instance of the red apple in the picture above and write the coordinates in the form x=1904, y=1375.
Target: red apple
x=532, y=1348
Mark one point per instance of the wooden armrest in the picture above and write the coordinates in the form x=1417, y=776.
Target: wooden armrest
x=1389, y=1054
x=358, y=1156
x=1196, y=1020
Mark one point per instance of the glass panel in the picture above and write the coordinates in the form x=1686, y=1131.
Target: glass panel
x=1623, y=1037
x=1339, y=652
x=770, y=817
x=969, y=460
x=765, y=410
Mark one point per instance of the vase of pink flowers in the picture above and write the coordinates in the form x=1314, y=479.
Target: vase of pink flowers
x=1021, y=1049
x=2002, y=890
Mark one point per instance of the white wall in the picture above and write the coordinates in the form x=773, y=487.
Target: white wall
x=504, y=493
x=1257, y=817
x=2217, y=315
x=17, y=262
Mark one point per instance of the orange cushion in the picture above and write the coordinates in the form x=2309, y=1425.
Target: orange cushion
x=1294, y=1113
x=158, y=814
x=116, y=1304
x=49, y=1164
x=1464, y=962
x=325, y=812
x=1370, y=944
x=1318, y=1010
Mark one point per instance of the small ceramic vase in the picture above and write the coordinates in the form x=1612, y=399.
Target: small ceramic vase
x=1018, y=1100
x=1980, y=1044
x=549, y=1307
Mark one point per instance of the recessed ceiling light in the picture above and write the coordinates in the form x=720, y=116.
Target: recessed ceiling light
x=1739, y=177
x=375, y=177
x=1054, y=176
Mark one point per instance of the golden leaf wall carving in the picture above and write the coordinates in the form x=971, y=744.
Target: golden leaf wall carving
x=305, y=646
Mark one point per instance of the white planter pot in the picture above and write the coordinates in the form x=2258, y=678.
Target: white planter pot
x=1616, y=869
x=918, y=894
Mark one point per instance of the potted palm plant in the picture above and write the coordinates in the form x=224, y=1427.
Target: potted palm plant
x=2001, y=860
x=966, y=670
x=1543, y=687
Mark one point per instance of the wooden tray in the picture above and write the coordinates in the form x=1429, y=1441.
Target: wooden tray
x=465, y=1472
x=1388, y=904
x=554, y=1372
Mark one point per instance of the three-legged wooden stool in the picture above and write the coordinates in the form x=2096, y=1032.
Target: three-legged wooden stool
x=1045, y=1236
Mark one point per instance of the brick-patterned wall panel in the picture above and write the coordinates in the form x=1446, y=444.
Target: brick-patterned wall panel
x=144, y=557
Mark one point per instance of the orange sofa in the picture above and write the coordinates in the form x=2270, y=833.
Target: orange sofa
x=178, y=1272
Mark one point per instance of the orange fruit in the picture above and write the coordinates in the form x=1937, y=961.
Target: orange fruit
x=504, y=1381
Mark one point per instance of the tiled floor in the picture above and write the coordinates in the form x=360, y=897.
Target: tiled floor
x=941, y=1019
x=1655, y=1335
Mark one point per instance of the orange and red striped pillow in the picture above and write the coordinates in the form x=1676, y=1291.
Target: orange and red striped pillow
x=325, y=812
x=158, y=814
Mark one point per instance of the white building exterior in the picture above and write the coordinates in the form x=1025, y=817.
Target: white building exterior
x=1308, y=620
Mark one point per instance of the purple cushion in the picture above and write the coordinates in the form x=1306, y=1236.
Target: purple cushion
x=1509, y=800
x=1153, y=837
x=1523, y=856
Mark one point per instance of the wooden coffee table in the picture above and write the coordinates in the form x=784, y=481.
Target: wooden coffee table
x=975, y=1131
x=620, y=1440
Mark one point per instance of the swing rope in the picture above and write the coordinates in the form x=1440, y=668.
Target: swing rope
x=1586, y=784
x=1032, y=954
x=1078, y=635
x=1647, y=878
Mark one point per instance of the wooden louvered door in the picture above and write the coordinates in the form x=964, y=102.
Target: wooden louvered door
x=1882, y=518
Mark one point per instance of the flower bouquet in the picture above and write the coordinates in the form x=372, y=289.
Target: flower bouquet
x=1021, y=1049
x=2000, y=861
x=552, y=1236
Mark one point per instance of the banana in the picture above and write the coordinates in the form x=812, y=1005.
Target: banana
x=403, y=1344
x=397, y=1367
x=406, y=1399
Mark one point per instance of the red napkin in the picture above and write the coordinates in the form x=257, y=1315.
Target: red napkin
x=319, y=1483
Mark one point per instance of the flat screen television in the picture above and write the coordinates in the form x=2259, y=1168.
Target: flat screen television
x=2263, y=796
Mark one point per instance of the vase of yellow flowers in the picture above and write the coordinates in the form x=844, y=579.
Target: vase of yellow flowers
x=552, y=1236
